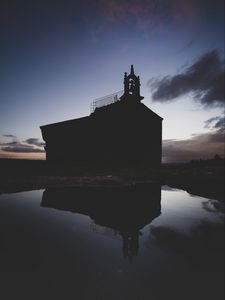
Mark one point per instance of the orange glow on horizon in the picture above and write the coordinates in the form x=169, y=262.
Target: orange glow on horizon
x=14, y=155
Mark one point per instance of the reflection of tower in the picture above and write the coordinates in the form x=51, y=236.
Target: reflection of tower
x=126, y=210
x=130, y=244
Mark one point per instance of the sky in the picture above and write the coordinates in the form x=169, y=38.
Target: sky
x=57, y=56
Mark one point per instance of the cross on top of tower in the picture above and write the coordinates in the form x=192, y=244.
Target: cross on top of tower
x=132, y=70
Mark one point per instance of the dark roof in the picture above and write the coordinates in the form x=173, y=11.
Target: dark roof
x=124, y=106
x=120, y=106
x=66, y=123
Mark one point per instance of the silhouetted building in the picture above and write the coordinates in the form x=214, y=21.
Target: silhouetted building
x=123, y=131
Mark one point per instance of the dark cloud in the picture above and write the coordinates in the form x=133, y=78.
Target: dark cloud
x=14, y=143
x=28, y=146
x=209, y=122
x=204, y=79
x=216, y=123
x=22, y=149
x=220, y=123
x=34, y=141
x=199, y=146
x=9, y=135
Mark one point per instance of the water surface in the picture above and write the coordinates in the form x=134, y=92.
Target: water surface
x=143, y=243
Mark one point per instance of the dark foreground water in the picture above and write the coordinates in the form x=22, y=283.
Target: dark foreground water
x=141, y=243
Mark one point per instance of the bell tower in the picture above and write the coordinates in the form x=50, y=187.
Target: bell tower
x=131, y=87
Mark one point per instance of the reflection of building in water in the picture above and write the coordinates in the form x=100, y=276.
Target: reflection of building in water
x=105, y=231
x=124, y=211
x=130, y=244
x=130, y=239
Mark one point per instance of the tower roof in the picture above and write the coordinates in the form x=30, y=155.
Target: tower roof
x=131, y=87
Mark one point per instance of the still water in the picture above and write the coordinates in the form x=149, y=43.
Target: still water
x=144, y=243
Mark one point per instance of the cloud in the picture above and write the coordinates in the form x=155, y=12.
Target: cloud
x=204, y=79
x=220, y=123
x=14, y=143
x=22, y=149
x=31, y=145
x=216, y=122
x=199, y=146
x=208, y=123
x=34, y=141
x=9, y=135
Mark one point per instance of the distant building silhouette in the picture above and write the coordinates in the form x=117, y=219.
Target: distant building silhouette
x=122, y=131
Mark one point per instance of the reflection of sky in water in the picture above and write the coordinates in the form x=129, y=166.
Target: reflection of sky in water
x=181, y=210
x=62, y=255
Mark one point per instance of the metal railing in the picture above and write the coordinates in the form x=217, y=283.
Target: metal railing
x=106, y=100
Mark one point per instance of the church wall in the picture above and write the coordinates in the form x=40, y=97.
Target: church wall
x=115, y=141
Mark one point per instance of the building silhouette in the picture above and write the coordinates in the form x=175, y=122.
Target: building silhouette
x=126, y=210
x=120, y=131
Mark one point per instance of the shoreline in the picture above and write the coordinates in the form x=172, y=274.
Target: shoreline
x=15, y=185
x=204, y=180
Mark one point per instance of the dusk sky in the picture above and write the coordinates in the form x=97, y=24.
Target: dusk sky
x=57, y=56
